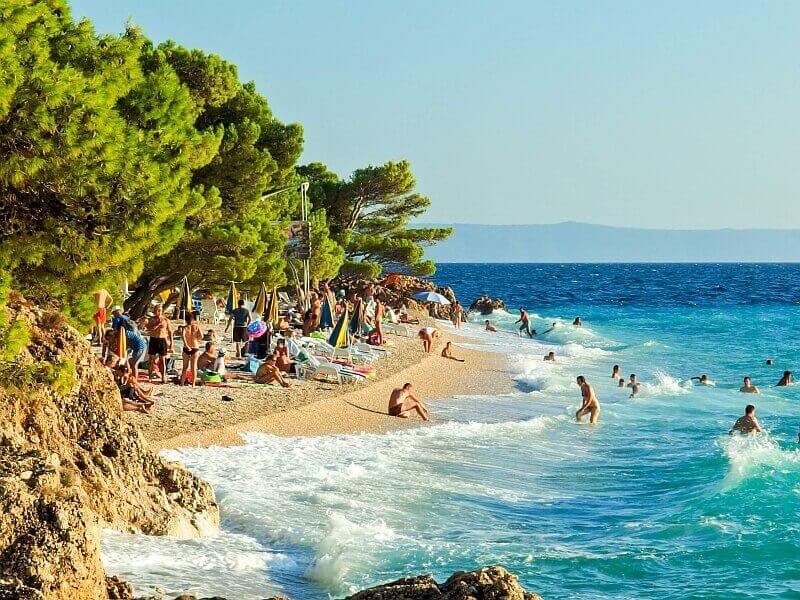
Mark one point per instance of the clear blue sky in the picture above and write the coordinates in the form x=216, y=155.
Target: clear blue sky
x=681, y=114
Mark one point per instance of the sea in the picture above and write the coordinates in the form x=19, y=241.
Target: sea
x=655, y=501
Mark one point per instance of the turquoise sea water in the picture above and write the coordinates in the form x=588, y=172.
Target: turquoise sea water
x=657, y=501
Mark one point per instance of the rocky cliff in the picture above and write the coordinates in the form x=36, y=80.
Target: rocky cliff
x=70, y=464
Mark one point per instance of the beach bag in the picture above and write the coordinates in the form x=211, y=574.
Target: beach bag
x=210, y=376
x=252, y=364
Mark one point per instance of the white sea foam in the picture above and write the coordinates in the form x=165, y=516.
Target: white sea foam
x=751, y=455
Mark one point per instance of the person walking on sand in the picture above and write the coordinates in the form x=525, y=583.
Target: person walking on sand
x=748, y=423
x=590, y=404
x=447, y=352
x=102, y=302
x=427, y=335
x=192, y=337
x=749, y=388
x=785, y=380
x=403, y=401
x=457, y=314
x=380, y=313
x=240, y=317
x=525, y=322
x=160, y=343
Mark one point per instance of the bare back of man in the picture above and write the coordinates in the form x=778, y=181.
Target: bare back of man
x=402, y=401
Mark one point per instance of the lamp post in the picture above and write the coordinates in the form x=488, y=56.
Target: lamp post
x=306, y=261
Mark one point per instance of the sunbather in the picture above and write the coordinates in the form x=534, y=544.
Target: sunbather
x=402, y=401
x=282, y=360
x=269, y=373
x=447, y=352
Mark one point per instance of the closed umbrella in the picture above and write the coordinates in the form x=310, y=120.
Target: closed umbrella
x=357, y=322
x=338, y=338
x=122, y=344
x=184, y=305
x=260, y=305
x=273, y=315
x=326, y=318
x=233, y=299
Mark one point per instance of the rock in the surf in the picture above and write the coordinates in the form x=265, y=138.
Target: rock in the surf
x=486, y=305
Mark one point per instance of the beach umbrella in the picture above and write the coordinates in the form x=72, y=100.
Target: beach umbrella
x=260, y=305
x=357, y=321
x=184, y=305
x=326, y=318
x=338, y=338
x=121, y=349
x=164, y=295
x=273, y=315
x=426, y=296
x=233, y=299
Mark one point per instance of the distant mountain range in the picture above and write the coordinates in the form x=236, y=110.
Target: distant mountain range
x=582, y=242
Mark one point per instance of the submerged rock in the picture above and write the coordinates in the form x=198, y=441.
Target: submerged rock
x=487, y=305
x=70, y=464
x=488, y=583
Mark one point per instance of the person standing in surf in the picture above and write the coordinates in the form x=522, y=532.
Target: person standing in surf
x=748, y=423
x=525, y=322
x=748, y=387
x=590, y=405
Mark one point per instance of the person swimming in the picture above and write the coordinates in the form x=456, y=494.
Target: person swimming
x=490, y=326
x=748, y=387
x=590, y=405
x=551, y=328
x=622, y=382
x=634, y=385
x=578, y=322
x=703, y=380
x=785, y=380
x=616, y=372
x=748, y=423
x=550, y=356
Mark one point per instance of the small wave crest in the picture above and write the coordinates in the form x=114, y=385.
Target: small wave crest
x=751, y=455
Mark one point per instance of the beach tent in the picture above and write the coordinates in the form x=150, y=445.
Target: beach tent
x=326, y=318
x=233, y=299
x=338, y=338
x=357, y=321
x=260, y=305
x=184, y=305
x=273, y=315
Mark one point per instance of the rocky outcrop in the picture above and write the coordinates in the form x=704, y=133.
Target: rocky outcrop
x=71, y=464
x=487, y=305
x=488, y=583
x=397, y=290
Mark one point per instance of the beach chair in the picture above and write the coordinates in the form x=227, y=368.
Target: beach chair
x=284, y=302
x=210, y=313
x=400, y=329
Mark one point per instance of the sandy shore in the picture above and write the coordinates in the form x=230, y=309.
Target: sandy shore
x=198, y=417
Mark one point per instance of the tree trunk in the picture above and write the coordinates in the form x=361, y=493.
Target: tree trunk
x=138, y=303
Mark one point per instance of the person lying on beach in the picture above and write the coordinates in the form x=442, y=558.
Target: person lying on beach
x=525, y=323
x=785, y=380
x=748, y=423
x=590, y=404
x=403, y=401
x=703, y=380
x=550, y=357
x=616, y=372
x=577, y=322
x=634, y=385
x=269, y=373
x=427, y=335
x=749, y=388
x=406, y=318
x=447, y=352
x=490, y=326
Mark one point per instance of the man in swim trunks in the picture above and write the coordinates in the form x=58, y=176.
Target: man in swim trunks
x=160, y=343
x=749, y=388
x=269, y=373
x=634, y=385
x=525, y=322
x=748, y=423
x=403, y=401
x=103, y=301
x=240, y=317
x=590, y=404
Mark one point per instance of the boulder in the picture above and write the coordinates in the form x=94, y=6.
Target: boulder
x=487, y=305
x=488, y=583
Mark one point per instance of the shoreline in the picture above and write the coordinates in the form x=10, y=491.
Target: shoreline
x=197, y=419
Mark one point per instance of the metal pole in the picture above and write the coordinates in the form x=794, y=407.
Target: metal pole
x=306, y=263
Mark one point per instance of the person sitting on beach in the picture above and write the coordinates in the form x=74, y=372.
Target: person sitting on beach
x=402, y=401
x=622, y=382
x=134, y=396
x=578, y=322
x=785, y=380
x=590, y=404
x=748, y=423
x=490, y=326
x=749, y=388
x=447, y=352
x=160, y=343
x=427, y=335
x=525, y=322
x=240, y=317
x=634, y=385
x=206, y=360
x=210, y=336
x=616, y=372
x=282, y=360
x=406, y=318
x=703, y=380
x=269, y=373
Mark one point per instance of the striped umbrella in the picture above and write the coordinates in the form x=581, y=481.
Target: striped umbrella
x=326, y=318
x=233, y=299
x=184, y=305
x=260, y=305
x=357, y=322
x=338, y=338
x=273, y=316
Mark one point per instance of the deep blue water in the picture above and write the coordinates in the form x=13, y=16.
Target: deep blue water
x=656, y=501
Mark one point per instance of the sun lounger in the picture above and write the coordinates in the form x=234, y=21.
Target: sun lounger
x=397, y=329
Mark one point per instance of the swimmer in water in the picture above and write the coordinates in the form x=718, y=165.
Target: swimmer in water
x=615, y=373
x=622, y=382
x=769, y=362
x=590, y=404
x=551, y=328
x=702, y=380
x=748, y=387
x=577, y=322
x=490, y=326
x=550, y=356
x=634, y=385
x=748, y=423
x=785, y=380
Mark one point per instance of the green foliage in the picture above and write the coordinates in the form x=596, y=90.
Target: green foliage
x=369, y=214
x=327, y=256
x=97, y=150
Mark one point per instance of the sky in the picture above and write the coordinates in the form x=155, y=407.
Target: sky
x=668, y=115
